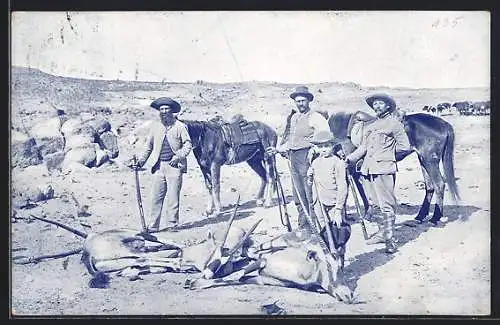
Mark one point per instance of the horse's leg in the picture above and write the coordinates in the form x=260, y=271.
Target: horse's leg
x=437, y=178
x=215, y=172
x=208, y=184
x=256, y=164
x=270, y=184
x=429, y=192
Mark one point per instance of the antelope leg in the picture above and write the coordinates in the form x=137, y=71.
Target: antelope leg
x=231, y=279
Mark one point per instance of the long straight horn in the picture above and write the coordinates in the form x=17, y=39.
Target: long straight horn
x=68, y=228
x=242, y=241
x=230, y=222
x=218, y=248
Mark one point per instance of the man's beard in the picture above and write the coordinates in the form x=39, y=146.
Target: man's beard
x=302, y=108
x=166, y=119
x=384, y=113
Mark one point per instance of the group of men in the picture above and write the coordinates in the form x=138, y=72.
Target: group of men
x=306, y=130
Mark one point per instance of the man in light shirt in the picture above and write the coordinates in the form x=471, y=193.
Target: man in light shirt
x=164, y=154
x=302, y=124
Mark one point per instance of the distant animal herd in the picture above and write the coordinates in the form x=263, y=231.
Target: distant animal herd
x=463, y=108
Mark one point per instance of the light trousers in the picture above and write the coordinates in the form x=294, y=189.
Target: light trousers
x=380, y=192
x=167, y=181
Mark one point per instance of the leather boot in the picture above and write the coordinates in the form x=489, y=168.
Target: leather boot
x=390, y=247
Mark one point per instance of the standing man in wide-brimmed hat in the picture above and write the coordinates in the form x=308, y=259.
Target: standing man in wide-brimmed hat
x=378, y=146
x=301, y=125
x=167, y=146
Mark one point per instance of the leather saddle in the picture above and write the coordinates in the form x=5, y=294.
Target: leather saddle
x=356, y=125
x=359, y=119
x=239, y=132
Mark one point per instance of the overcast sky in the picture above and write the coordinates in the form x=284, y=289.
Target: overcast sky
x=373, y=48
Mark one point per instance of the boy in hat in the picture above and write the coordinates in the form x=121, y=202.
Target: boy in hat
x=327, y=174
x=328, y=177
x=296, y=142
x=167, y=146
x=378, y=147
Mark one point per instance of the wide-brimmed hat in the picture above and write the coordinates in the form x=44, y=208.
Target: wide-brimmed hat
x=381, y=96
x=302, y=91
x=323, y=137
x=162, y=101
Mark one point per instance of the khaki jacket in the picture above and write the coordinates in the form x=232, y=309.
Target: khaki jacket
x=178, y=138
x=378, y=146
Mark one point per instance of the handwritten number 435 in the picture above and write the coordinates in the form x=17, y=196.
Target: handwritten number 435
x=446, y=22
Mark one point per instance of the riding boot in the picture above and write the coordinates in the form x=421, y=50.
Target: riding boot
x=390, y=247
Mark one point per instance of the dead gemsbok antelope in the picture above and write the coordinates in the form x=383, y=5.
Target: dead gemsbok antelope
x=290, y=260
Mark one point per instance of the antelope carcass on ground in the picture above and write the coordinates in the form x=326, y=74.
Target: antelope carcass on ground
x=290, y=260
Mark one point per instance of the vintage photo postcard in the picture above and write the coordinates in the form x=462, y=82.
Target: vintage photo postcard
x=318, y=163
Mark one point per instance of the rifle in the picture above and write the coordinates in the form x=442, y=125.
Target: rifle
x=145, y=234
x=138, y=193
x=358, y=207
x=342, y=156
x=326, y=221
x=285, y=217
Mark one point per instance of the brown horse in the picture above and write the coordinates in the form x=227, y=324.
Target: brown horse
x=212, y=151
x=431, y=137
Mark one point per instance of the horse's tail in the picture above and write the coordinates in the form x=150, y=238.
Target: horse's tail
x=273, y=141
x=448, y=166
x=268, y=138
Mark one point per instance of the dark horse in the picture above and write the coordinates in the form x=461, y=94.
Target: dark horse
x=211, y=152
x=431, y=137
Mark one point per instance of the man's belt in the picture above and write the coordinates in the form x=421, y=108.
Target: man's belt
x=305, y=148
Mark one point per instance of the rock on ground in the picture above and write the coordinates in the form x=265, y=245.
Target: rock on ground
x=54, y=160
x=109, y=142
x=85, y=155
x=75, y=141
x=47, y=129
x=101, y=157
x=24, y=151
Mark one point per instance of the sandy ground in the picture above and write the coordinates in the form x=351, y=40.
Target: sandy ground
x=437, y=271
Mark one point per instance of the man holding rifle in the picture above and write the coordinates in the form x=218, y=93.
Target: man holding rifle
x=167, y=146
x=295, y=144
